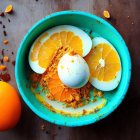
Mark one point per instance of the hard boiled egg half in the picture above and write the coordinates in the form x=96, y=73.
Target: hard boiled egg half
x=46, y=45
x=73, y=70
x=104, y=64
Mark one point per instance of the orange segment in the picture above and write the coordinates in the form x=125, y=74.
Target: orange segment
x=107, y=70
x=101, y=74
x=96, y=71
x=37, y=45
x=46, y=53
x=112, y=57
x=106, y=50
x=110, y=71
x=95, y=54
x=77, y=44
x=58, y=90
x=56, y=39
x=63, y=36
x=69, y=36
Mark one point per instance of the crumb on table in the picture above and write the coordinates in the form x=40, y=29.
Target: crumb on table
x=106, y=14
x=43, y=127
x=100, y=94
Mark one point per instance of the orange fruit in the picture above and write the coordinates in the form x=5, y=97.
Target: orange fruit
x=10, y=106
x=58, y=90
x=9, y=9
x=104, y=62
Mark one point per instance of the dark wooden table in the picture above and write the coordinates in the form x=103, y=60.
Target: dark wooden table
x=124, y=123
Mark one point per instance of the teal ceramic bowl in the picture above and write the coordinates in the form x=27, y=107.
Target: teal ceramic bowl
x=87, y=22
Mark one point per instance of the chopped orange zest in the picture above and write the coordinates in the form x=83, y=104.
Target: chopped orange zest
x=6, y=58
x=95, y=92
x=94, y=100
x=106, y=14
x=5, y=41
x=43, y=127
x=100, y=93
x=9, y=9
x=72, y=61
x=2, y=67
x=91, y=37
x=71, y=53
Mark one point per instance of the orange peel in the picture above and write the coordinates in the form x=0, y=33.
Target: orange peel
x=9, y=9
x=106, y=14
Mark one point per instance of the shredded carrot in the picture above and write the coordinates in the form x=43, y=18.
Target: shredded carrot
x=6, y=58
x=71, y=53
x=9, y=9
x=2, y=67
x=100, y=94
x=5, y=41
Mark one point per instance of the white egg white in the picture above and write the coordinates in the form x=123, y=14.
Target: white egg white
x=86, y=40
x=101, y=85
x=73, y=71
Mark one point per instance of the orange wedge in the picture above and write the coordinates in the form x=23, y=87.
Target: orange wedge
x=9, y=9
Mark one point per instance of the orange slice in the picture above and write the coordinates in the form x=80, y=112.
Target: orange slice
x=45, y=52
x=59, y=91
x=104, y=62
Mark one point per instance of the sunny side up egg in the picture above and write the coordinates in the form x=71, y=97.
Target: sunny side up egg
x=104, y=64
x=46, y=45
x=73, y=71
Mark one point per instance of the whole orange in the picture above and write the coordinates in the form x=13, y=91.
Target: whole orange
x=10, y=106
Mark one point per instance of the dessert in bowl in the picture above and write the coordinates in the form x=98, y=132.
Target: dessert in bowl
x=71, y=72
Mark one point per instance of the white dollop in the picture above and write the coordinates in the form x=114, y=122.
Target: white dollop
x=73, y=71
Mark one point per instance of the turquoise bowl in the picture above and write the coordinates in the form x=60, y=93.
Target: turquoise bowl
x=85, y=21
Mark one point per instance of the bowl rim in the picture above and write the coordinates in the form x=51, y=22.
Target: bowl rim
x=78, y=123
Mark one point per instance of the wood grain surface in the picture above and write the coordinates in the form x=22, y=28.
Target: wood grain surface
x=123, y=123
